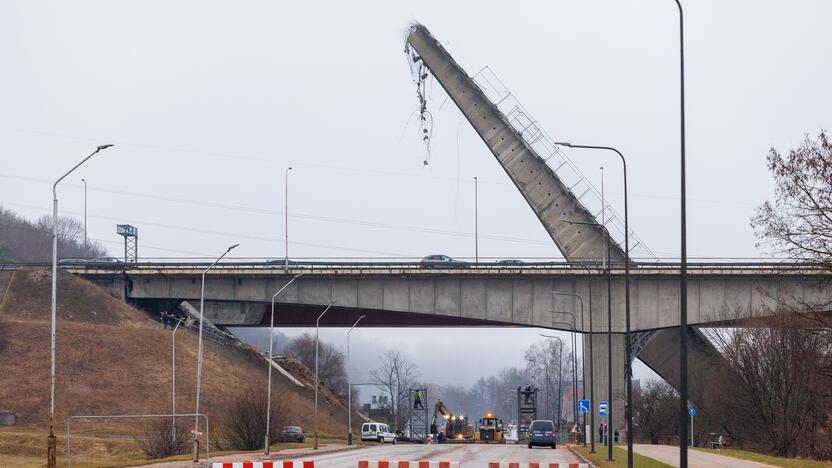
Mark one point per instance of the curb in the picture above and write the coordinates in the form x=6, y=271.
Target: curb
x=577, y=454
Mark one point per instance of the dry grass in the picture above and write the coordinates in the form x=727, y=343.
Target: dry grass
x=113, y=359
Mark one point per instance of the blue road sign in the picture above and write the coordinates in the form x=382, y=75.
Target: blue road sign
x=602, y=408
x=692, y=411
x=584, y=406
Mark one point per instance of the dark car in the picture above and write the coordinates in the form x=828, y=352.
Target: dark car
x=441, y=261
x=542, y=434
x=510, y=262
x=292, y=434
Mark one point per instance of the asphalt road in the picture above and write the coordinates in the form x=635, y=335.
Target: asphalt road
x=473, y=456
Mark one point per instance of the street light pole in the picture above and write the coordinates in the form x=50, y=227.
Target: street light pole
x=628, y=366
x=583, y=380
x=574, y=329
x=85, y=217
x=286, y=217
x=199, y=349
x=476, y=223
x=683, y=269
x=591, y=367
x=609, y=326
x=51, y=454
x=317, y=380
x=349, y=386
x=271, y=348
x=173, y=376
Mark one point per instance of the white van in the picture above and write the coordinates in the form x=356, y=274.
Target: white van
x=377, y=432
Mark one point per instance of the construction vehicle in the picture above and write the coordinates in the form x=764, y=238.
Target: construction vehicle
x=456, y=429
x=490, y=430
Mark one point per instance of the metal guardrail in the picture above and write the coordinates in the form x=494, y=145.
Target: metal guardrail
x=412, y=265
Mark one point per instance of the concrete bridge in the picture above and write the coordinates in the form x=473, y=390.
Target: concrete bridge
x=491, y=295
x=488, y=295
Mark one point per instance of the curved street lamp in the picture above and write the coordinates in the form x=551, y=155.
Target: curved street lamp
x=349, y=387
x=609, y=323
x=271, y=348
x=199, y=349
x=628, y=366
x=51, y=449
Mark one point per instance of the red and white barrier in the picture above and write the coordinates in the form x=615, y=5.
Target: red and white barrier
x=407, y=464
x=266, y=464
x=536, y=465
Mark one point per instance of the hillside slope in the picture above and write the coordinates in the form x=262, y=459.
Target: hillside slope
x=114, y=359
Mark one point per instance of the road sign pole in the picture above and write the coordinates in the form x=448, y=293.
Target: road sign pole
x=691, y=430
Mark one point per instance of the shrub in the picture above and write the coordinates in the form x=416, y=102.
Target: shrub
x=244, y=424
x=162, y=439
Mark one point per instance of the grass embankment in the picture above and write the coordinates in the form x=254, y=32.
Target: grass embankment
x=18, y=448
x=769, y=459
x=599, y=458
x=115, y=359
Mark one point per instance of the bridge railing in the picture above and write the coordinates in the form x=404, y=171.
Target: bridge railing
x=484, y=266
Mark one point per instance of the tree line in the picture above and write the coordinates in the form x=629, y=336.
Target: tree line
x=25, y=241
x=775, y=393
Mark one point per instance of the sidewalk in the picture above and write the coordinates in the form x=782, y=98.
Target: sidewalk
x=670, y=455
x=258, y=456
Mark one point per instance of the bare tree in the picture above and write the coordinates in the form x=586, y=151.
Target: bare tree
x=69, y=229
x=544, y=362
x=655, y=407
x=779, y=397
x=396, y=376
x=24, y=241
x=161, y=440
x=244, y=423
x=331, y=363
x=798, y=223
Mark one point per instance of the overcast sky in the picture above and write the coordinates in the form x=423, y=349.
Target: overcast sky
x=209, y=102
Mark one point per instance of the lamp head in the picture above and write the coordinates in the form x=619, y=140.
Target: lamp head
x=233, y=247
x=564, y=143
x=102, y=147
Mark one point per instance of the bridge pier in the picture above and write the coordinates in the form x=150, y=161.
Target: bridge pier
x=600, y=379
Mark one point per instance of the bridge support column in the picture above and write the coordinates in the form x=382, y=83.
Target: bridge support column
x=707, y=372
x=601, y=378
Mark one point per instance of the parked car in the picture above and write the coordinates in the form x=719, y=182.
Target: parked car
x=292, y=434
x=377, y=432
x=441, y=261
x=542, y=433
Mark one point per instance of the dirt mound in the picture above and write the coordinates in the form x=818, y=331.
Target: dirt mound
x=307, y=377
x=114, y=359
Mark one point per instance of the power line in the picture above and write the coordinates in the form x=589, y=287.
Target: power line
x=270, y=212
x=216, y=233
x=332, y=166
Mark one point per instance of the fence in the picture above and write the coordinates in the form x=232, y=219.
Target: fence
x=129, y=416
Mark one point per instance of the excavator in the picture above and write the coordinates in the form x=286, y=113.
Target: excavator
x=456, y=427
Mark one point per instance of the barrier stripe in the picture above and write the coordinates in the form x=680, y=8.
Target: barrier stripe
x=406, y=464
x=265, y=464
x=536, y=465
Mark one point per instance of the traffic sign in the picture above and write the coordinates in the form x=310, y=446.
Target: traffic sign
x=602, y=408
x=692, y=411
x=584, y=406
